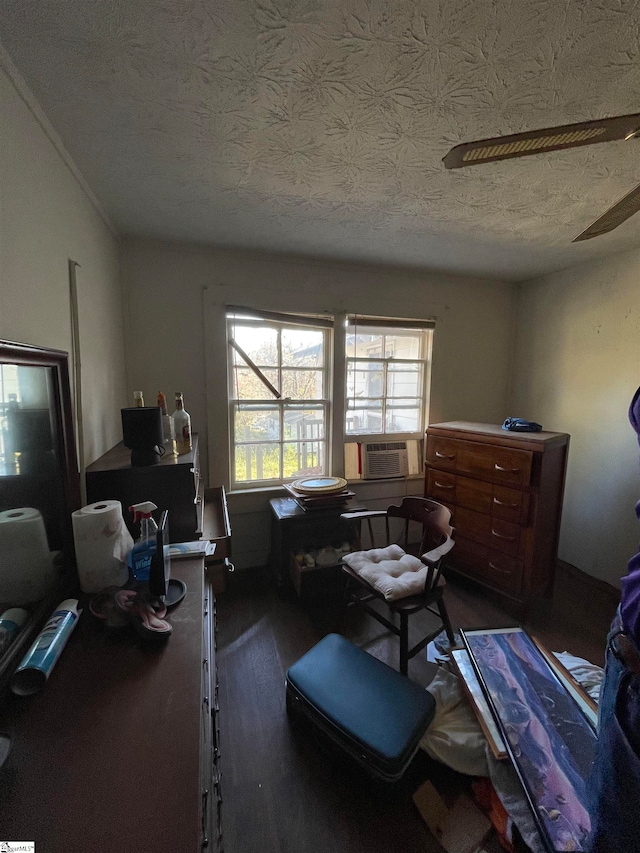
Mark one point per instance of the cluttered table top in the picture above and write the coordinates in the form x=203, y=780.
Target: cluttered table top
x=106, y=756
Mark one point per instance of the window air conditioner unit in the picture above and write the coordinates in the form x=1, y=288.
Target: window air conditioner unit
x=386, y=459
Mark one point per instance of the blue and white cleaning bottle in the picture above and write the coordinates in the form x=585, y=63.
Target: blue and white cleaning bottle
x=144, y=548
x=36, y=666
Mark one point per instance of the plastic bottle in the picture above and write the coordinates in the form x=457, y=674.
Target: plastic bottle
x=10, y=623
x=37, y=664
x=181, y=427
x=138, y=399
x=167, y=425
x=139, y=559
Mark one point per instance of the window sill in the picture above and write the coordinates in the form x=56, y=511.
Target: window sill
x=256, y=499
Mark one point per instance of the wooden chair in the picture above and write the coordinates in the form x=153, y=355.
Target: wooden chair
x=435, y=532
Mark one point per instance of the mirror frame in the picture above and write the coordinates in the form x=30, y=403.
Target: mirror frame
x=58, y=361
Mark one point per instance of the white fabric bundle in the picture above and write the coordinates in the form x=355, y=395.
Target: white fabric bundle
x=454, y=736
x=389, y=570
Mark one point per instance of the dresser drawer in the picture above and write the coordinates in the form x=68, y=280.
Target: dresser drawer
x=443, y=452
x=510, y=505
x=479, y=495
x=485, y=461
x=441, y=486
x=492, y=567
x=504, y=571
x=493, y=532
x=474, y=494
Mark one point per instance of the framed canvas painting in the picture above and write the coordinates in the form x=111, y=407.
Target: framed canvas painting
x=548, y=737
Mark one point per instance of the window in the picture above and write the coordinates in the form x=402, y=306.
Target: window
x=387, y=367
x=280, y=390
x=279, y=395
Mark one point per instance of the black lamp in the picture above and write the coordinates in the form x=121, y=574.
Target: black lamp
x=142, y=434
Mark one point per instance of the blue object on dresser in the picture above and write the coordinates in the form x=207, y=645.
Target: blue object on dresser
x=376, y=714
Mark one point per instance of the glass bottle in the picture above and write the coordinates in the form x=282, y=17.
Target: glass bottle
x=167, y=424
x=181, y=427
x=138, y=399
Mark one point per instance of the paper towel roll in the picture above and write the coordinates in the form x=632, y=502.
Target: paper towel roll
x=27, y=570
x=102, y=543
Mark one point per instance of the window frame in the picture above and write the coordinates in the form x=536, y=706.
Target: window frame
x=385, y=326
x=278, y=322
x=335, y=402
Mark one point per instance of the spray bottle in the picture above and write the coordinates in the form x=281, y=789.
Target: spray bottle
x=36, y=666
x=139, y=559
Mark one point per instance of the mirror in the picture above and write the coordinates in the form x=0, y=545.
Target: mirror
x=39, y=489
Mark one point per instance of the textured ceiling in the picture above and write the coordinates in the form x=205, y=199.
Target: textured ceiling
x=318, y=126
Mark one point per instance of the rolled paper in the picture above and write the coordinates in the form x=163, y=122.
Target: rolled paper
x=102, y=543
x=27, y=571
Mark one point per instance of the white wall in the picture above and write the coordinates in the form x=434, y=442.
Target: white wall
x=47, y=217
x=167, y=348
x=577, y=365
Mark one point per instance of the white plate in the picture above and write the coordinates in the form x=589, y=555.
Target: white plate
x=319, y=485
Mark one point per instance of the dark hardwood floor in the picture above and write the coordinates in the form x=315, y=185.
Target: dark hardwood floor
x=283, y=791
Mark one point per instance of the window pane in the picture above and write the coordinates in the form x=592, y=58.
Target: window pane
x=302, y=384
x=401, y=345
x=364, y=380
x=259, y=343
x=404, y=380
x=255, y=423
x=257, y=462
x=304, y=424
x=302, y=347
x=403, y=419
x=363, y=343
x=364, y=417
x=303, y=458
x=247, y=386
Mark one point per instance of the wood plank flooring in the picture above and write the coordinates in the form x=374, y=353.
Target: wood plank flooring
x=283, y=792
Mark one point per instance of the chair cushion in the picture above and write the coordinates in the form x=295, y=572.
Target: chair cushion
x=390, y=571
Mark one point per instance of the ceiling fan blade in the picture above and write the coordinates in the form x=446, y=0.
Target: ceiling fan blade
x=616, y=215
x=539, y=141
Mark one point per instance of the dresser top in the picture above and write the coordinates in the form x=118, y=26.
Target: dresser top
x=107, y=756
x=490, y=433
x=119, y=457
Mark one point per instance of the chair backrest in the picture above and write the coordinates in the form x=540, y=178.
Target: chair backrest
x=431, y=522
x=434, y=518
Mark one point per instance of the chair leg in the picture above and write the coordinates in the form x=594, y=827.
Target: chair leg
x=445, y=620
x=404, y=643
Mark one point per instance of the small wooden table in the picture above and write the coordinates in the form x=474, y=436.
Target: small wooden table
x=294, y=529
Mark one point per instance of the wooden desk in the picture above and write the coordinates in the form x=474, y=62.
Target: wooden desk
x=119, y=750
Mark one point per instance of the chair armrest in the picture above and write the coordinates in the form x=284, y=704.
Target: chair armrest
x=432, y=557
x=367, y=513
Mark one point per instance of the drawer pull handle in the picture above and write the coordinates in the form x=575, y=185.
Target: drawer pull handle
x=504, y=503
x=506, y=470
x=498, y=569
x=443, y=485
x=444, y=455
x=502, y=535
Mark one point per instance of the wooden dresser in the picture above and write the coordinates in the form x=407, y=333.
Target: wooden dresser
x=119, y=751
x=505, y=492
x=173, y=483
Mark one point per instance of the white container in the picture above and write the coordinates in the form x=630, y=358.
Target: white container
x=102, y=543
x=28, y=571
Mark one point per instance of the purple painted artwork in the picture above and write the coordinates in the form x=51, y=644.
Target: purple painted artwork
x=550, y=740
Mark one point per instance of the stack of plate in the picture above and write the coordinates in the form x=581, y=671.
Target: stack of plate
x=319, y=492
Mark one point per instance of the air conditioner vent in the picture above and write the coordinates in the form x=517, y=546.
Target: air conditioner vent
x=386, y=459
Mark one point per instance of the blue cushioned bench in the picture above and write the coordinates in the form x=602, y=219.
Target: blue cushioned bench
x=376, y=714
